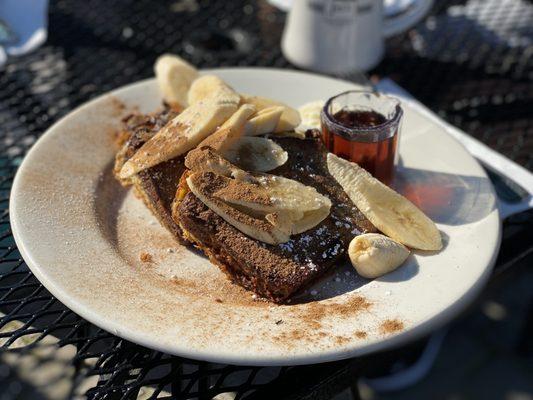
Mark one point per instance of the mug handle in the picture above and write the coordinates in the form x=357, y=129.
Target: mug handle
x=402, y=21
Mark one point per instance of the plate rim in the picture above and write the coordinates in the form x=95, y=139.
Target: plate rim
x=335, y=354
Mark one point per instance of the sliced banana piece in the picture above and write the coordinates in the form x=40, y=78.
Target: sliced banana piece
x=291, y=195
x=374, y=255
x=286, y=195
x=256, y=154
x=261, y=206
x=264, y=121
x=230, y=131
x=211, y=86
x=204, y=159
x=293, y=207
x=310, y=115
x=204, y=184
x=179, y=135
x=174, y=76
x=289, y=118
x=390, y=212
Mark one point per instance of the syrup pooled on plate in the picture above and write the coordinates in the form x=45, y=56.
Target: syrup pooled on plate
x=376, y=156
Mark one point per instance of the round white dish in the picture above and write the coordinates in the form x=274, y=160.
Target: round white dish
x=81, y=234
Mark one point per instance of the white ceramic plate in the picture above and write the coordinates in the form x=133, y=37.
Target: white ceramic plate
x=81, y=234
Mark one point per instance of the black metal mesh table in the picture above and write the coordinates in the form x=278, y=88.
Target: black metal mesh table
x=475, y=72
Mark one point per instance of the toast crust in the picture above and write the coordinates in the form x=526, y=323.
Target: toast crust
x=155, y=186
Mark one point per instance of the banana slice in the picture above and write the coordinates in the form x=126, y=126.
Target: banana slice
x=293, y=207
x=291, y=195
x=264, y=121
x=289, y=119
x=266, y=207
x=374, y=255
x=204, y=184
x=204, y=159
x=174, y=76
x=211, y=86
x=230, y=131
x=390, y=212
x=255, y=154
x=310, y=115
x=286, y=195
x=179, y=135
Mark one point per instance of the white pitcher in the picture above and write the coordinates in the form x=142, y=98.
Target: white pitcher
x=340, y=36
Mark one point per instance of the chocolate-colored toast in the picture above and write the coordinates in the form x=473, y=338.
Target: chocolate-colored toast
x=156, y=186
x=276, y=272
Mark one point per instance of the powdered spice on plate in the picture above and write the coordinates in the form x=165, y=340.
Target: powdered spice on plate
x=391, y=326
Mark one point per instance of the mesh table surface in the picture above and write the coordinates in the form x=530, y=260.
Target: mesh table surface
x=471, y=63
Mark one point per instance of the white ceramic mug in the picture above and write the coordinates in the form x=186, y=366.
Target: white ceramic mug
x=340, y=36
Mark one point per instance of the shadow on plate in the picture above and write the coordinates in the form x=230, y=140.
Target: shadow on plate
x=111, y=195
x=344, y=280
x=407, y=271
x=447, y=198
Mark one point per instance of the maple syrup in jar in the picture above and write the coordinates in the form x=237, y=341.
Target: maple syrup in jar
x=363, y=127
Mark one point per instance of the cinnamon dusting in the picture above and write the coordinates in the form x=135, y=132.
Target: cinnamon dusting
x=117, y=106
x=317, y=311
x=235, y=190
x=391, y=326
x=341, y=340
x=209, y=183
x=361, y=334
x=145, y=257
x=312, y=316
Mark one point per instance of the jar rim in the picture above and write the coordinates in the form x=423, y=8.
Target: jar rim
x=398, y=112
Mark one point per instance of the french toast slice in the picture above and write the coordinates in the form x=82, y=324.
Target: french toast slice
x=276, y=272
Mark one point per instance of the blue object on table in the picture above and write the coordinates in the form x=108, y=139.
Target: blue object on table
x=23, y=26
